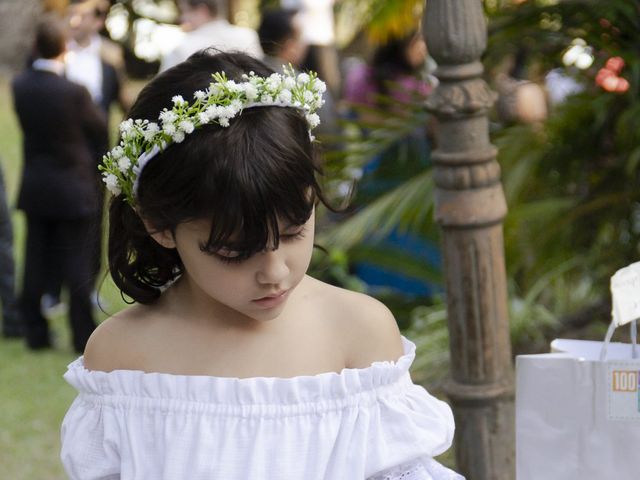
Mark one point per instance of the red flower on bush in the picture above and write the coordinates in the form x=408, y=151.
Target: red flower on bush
x=609, y=79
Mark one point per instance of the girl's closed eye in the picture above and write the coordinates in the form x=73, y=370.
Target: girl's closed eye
x=229, y=255
x=292, y=235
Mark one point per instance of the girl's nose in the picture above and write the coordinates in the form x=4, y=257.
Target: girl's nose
x=273, y=267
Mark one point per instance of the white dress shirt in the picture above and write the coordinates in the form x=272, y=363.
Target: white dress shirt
x=316, y=18
x=219, y=34
x=84, y=66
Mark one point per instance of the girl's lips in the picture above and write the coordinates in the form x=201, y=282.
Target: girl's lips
x=271, y=301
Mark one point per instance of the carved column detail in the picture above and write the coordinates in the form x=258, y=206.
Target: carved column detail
x=470, y=208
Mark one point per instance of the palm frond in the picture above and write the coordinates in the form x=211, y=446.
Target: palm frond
x=381, y=19
x=408, y=207
x=397, y=260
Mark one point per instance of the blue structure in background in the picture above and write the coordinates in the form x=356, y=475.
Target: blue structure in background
x=378, y=277
x=380, y=175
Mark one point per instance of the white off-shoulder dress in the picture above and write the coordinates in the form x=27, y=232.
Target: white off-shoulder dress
x=369, y=423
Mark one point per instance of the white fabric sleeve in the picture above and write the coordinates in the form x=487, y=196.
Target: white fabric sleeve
x=419, y=469
x=89, y=442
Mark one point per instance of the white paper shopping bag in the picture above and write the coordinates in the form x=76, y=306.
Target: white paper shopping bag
x=578, y=417
x=578, y=408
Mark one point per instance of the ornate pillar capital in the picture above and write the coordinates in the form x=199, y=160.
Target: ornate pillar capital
x=455, y=31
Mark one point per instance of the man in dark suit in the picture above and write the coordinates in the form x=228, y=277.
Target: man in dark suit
x=62, y=130
x=94, y=60
x=97, y=63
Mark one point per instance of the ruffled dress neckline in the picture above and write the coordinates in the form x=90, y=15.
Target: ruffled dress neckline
x=323, y=390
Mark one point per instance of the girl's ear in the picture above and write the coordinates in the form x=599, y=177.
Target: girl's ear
x=163, y=237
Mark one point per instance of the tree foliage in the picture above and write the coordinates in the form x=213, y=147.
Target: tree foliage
x=571, y=183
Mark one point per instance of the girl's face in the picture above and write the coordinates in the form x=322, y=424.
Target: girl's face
x=257, y=287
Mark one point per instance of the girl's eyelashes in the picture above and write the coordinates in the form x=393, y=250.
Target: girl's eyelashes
x=232, y=259
x=229, y=256
x=292, y=236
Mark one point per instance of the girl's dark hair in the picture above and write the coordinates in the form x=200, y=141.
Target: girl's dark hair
x=390, y=60
x=244, y=178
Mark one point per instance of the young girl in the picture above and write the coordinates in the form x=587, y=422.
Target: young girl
x=235, y=364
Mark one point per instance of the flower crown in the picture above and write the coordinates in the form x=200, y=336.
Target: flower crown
x=224, y=99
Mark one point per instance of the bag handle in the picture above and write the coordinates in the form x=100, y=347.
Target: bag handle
x=625, y=308
x=607, y=339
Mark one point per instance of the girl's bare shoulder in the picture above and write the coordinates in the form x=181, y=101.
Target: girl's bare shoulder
x=112, y=346
x=365, y=326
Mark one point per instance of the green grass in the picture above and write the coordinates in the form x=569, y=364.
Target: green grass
x=33, y=395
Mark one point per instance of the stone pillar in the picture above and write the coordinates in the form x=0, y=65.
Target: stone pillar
x=470, y=207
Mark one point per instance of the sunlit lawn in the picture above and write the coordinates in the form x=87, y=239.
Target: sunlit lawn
x=33, y=395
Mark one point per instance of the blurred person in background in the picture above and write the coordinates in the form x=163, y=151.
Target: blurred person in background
x=206, y=26
x=318, y=32
x=398, y=68
x=11, y=324
x=97, y=63
x=396, y=78
x=280, y=35
x=62, y=131
x=92, y=59
x=281, y=39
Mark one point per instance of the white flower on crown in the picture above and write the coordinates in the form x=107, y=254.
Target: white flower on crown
x=124, y=163
x=320, y=87
x=250, y=91
x=274, y=81
x=213, y=111
x=117, y=152
x=169, y=128
x=289, y=83
x=168, y=116
x=234, y=87
x=186, y=126
x=111, y=181
x=220, y=102
x=127, y=128
x=285, y=96
x=151, y=131
x=313, y=120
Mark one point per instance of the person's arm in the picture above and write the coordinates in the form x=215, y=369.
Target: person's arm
x=94, y=121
